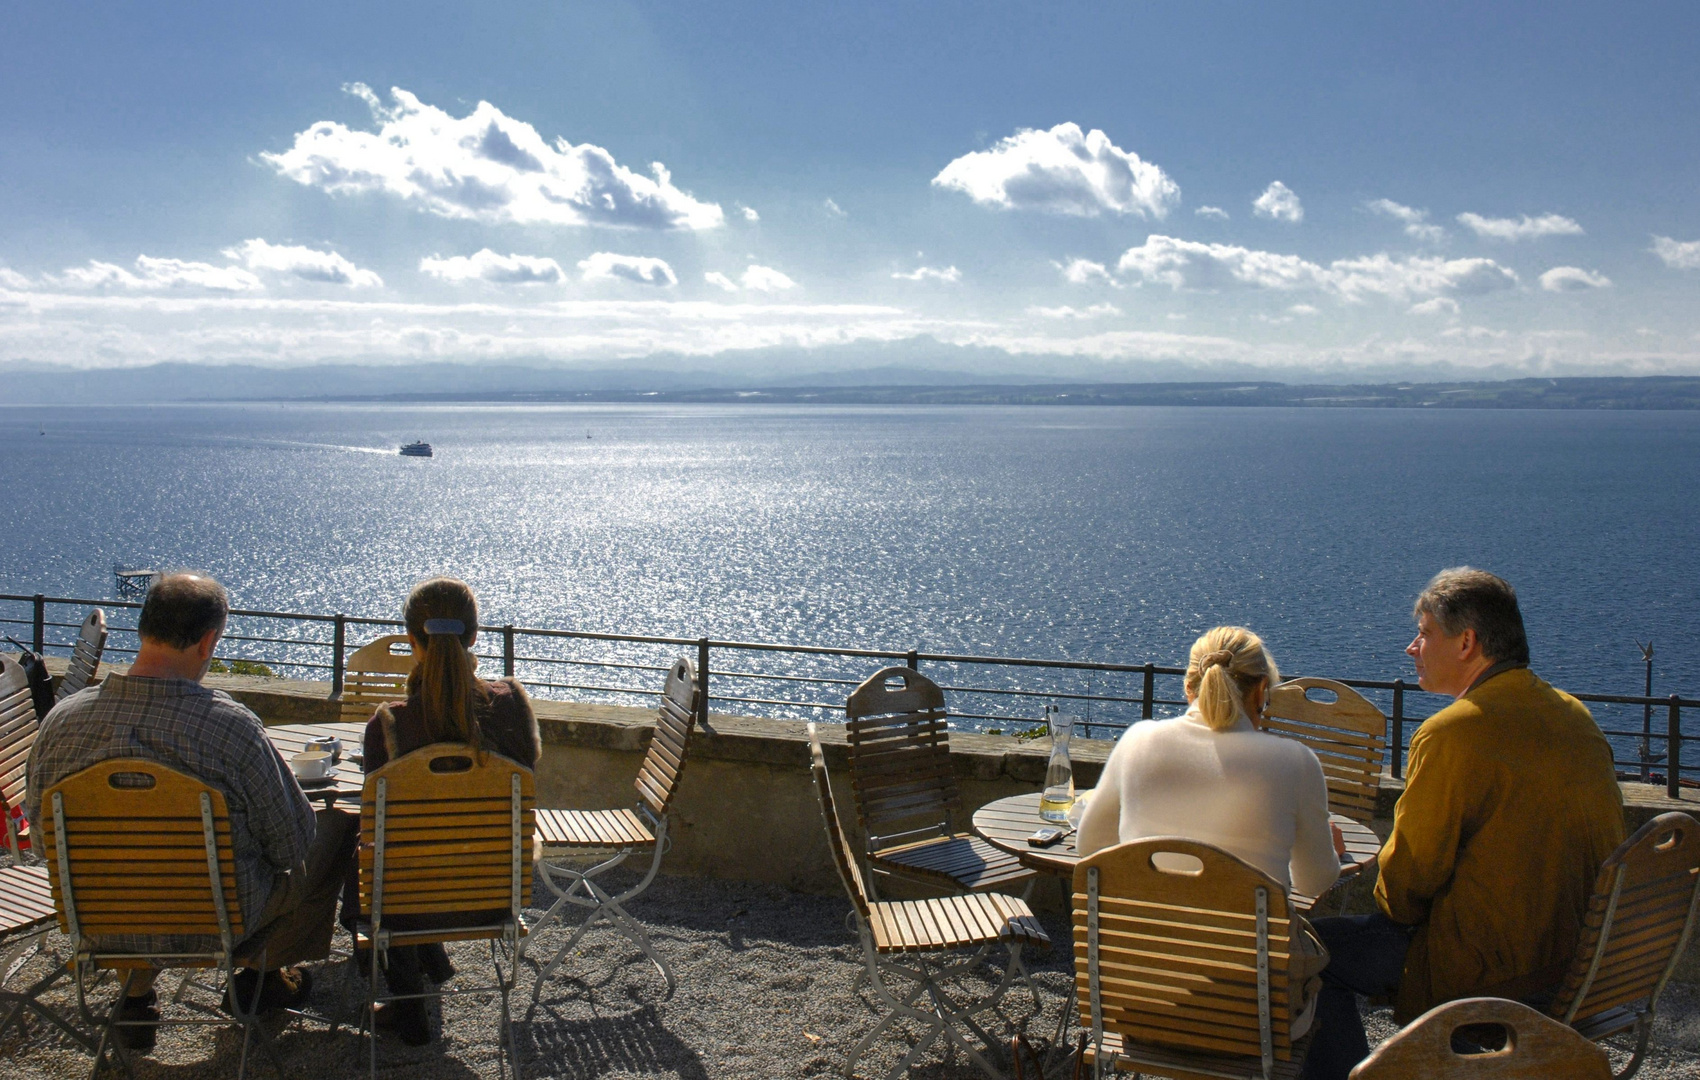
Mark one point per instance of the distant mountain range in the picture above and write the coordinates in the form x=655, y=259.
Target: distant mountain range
x=680, y=380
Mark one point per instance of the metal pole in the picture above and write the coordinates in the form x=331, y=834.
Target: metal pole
x=339, y=640
x=1397, y=723
x=40, y=622
x=508, y=650
x=1150, y=691
x=1647, y=716
x=1673, y=750
x=912, y=660
x=702, y=682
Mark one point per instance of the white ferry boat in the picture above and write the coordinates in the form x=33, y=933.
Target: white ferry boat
x=416, y=449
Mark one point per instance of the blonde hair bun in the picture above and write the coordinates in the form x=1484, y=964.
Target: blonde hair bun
x=1225, y=664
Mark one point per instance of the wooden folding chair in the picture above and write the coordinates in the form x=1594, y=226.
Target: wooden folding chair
x=1182, y=962
x=905, y=789
x=1344, y=729
x=607, y=838
x=18, y=728
x=136, y=848
x=1638, y=922
x=375, y=674
x=85, y=656
x=445, y=841
x=920, y=942
x=1534, y=1048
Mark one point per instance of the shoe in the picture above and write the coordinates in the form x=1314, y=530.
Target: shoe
x=285, y=988
x=407, y=1020
x=143, y=1011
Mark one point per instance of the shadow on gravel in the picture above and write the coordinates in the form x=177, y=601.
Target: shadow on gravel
x=636, y=1042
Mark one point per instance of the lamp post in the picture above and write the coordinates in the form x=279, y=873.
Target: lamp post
x=1647, y=715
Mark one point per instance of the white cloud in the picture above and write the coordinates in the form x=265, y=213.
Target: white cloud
x=749, y=213
x=1279, y=202
x=1524, y=228
x=1062, y=171
x=1474, y=333
x=1414, y=220
x=11, y=279
x=834, y=209
x=305, y=263
x=755, y=278
x=494, y=268
x=607, y=266
x=1573, y=279
x=1303, y=309
x=154, y=273
x=949, y=274
x=1096, y=311
x=1188, y=264
x=486, y=167
x=1677, y=254
x=1440, y=305
x=1212, y=212
x=1085, y=272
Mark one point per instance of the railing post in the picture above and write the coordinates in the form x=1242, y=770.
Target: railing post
x=508, y=650
x=1149, y=692
x=339, y=641
x=1673, y=750
x=702, y=682
x=40, y=623
x=912, y=659
x=1397, y=723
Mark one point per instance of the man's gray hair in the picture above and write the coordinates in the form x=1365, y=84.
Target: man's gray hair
x=1464, y=598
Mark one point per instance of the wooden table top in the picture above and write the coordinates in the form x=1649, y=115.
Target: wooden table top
x=1007, y=823
x=291, y=739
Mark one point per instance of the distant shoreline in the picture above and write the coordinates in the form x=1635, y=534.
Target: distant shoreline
x=1654, y=392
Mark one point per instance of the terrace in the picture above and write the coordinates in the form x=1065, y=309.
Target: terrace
x=749, y=910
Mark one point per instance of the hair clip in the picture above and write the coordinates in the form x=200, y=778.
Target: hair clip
x=445, y=626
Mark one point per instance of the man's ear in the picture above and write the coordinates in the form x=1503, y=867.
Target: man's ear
x=209, y=641
x=1469, y=646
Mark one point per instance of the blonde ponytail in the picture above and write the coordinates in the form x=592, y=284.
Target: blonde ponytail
x=442, y=615
x=1225, y=664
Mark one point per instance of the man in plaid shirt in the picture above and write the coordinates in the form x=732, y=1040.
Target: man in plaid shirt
x=289, y=861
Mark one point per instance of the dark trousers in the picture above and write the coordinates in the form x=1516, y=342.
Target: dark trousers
x=295, y=927
x=405, y=966
x=1366, y=956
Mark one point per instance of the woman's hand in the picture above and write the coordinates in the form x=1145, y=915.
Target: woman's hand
x=1339, y=840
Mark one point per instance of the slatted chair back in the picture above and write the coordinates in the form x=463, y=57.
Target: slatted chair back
x=18, y=728
x=1535, y=1047
x=1637, y=923
x=85, y=656
x=374, y=674
x=848, y=871
x=900, y=769
x=1344, y=729
x=664, y=764
x=443, y=833
x=1182, y=949
x=135, y=847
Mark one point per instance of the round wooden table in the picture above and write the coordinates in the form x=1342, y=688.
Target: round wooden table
x=346, y=779
x=1007, y=823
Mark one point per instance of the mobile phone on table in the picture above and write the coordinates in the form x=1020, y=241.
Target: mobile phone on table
x=1046, y=837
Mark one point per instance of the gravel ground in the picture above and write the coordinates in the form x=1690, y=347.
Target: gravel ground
x=765, y=991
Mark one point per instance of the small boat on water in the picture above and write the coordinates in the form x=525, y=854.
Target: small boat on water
x=416, y=449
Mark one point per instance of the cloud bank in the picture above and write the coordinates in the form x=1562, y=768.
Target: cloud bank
x=1189, y=264
x=1279, y=203
x=1414, y=220
x=754, y=279
x=307, y=264
x=486, y=167
x=1573, y=279
x=1523, y=228
x=1062, y=171
x=151, y=274
x=1677, y=254
x=493, y=268
x=641, y=269
x=950, y=274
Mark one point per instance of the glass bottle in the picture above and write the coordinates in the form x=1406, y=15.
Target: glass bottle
x=1058, y=796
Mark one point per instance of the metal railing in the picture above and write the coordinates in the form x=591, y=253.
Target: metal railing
x=988, y=693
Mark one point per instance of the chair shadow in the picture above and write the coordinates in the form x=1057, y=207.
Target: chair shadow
x=637, y=1042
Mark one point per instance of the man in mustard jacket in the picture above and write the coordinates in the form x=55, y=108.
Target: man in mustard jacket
x=1511, y=803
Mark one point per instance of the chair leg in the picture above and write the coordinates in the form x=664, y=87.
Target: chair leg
x=1643, y=1031
x=28, y=1001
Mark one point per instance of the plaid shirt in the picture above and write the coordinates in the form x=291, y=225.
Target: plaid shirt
x=194, y=730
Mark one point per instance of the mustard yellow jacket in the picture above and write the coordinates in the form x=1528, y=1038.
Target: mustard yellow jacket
x=1511, y=803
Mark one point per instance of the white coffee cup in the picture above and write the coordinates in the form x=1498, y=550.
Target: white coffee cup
x=311, y=765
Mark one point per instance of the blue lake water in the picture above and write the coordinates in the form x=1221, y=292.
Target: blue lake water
x=1112, y=534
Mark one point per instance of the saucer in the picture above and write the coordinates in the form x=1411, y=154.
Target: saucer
x=317, y=782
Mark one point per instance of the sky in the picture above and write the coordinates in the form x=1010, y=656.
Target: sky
x=1117, y=190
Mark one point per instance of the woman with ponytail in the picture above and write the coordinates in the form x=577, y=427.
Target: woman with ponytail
x=446, y=702
x=1211, y=775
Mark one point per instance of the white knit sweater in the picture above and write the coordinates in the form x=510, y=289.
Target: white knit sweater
x=1255, y=795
